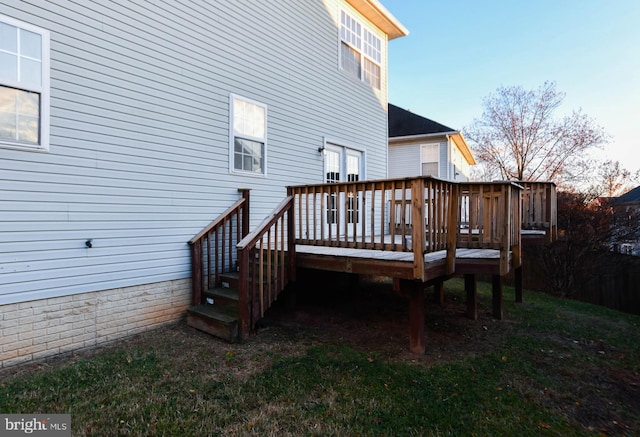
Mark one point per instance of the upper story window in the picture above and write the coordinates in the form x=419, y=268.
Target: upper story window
x=360, y=51
x=24, y=85
x=249, y=136
x=430, y=160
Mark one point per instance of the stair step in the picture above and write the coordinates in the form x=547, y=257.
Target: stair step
x=218, y=321
x=230, y=279
x=222, y=297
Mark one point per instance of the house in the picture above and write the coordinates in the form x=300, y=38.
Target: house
x=419, y=146
x=626, y=215
x=127, y=126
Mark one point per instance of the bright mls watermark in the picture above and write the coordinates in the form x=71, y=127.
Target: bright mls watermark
x=41, y=425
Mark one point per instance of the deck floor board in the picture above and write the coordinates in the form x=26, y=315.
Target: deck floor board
x=389, y=255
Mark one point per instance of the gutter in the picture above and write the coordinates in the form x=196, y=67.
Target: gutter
x=419, y=136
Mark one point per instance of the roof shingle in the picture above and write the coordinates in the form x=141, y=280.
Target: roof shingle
x=405, y=123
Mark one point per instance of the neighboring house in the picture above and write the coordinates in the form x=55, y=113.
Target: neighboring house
x=127, y=126
x=419, y=146
x=626, y=213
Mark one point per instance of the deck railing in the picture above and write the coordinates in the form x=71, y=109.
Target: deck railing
x=380, y=215
x=213, y=250
x=539, y=208
x=490, y=218
x=266, y=262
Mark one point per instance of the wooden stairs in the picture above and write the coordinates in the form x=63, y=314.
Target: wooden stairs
x=219, y=314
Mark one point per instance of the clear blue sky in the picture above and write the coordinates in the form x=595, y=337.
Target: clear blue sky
x=459, y=51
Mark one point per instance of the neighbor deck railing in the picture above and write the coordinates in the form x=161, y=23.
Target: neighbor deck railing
x=213, y=250
x=266, y=263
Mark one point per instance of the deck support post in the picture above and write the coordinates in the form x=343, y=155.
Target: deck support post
x=470, y=287
x=496, y=292
x=438, y=292
x=519, y=283
x=414, y=290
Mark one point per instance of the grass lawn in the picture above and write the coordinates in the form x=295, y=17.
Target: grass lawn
x=338, y=365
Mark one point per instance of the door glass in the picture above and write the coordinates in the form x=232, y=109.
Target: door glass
x=342, y=164
x=353, y=175
x=332, y=170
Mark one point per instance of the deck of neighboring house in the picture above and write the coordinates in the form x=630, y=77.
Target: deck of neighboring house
x=368, y=227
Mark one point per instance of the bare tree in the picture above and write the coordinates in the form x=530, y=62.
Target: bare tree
x=584, y=229
x=518, y=137
x=613, y=180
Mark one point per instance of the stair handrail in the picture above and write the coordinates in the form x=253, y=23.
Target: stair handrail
x=218, y=221
x=202, y=252
x=253, y=297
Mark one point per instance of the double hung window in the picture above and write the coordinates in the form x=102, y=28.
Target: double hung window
x=430, y=160
x=249, y=136
x=24, y=85
x=360, y=51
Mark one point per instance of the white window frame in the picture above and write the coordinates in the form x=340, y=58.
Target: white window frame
x=233, y=134
x=423, y=161
x=44, y=90
x=366, y=43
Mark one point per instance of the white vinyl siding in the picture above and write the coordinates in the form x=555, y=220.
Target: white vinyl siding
x=421, y=159
x=460, y=168
x=404, y=161
x=139, y=141
x=24, y=85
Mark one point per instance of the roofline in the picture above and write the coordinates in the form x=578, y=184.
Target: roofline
x=419, y=136
x=464, y=148
x=375, y=12
x=455, y=135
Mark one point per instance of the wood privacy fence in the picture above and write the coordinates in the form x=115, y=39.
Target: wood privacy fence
x=606, y=278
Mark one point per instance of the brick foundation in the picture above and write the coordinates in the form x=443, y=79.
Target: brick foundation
x=38, y=329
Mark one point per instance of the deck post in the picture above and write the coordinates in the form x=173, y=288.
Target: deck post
x=496, y=292
x=519, y=283
x=245, y=210
x=291, y=237
x=418, y=232
x=470, y=287
x=505, y=245
x=414, y=290
x=438, y=292
x=196, y=272
x=244, y=312
x=453, y=228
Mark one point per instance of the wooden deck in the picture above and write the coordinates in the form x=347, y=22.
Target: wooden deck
x=418, y=231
